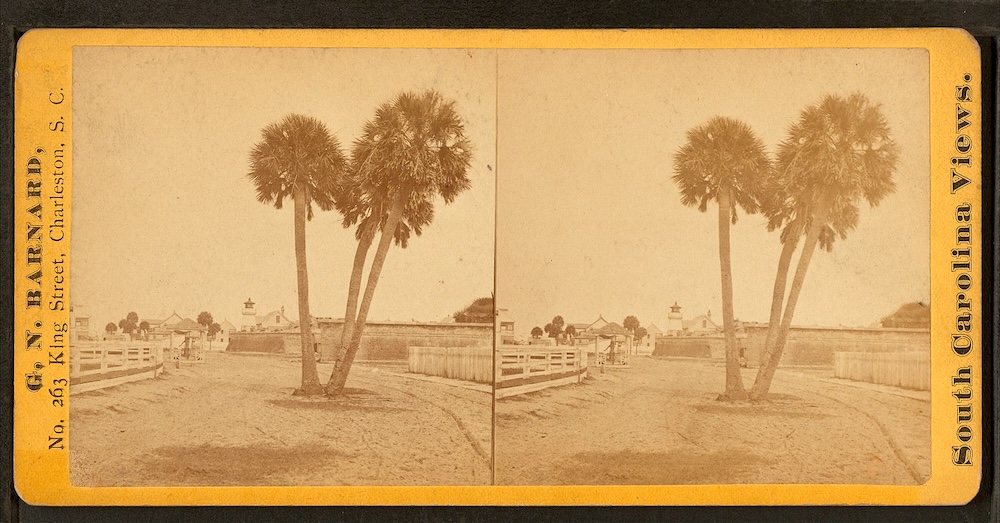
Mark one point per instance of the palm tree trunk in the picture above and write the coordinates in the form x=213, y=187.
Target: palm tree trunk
x=734, y=380
x=310, y=379
x=360, y=256
x=766, y=373
x=778, y=299
x=343, y=367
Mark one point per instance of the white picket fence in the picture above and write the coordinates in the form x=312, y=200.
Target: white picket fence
x=460, y=363
x=908, y=370
x=96, y=365
x=522, y=369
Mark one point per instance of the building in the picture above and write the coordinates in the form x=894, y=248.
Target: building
x=226, y=328
x=79, y=325
x=505, y=327
x=701, y=325
x=598, y=324
x=504, y=321
x=249, y=316
x=162, y=326
x=168, y=324
x=675, y=321
x=274, y=320
x=648, y=344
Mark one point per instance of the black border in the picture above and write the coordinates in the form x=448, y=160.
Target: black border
x=979, y=17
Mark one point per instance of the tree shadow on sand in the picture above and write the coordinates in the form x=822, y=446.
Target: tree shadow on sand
x=676, y=467
x=358, y=400
x=217, y=465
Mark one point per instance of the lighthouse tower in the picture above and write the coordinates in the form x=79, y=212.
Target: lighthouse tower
x=249, y=316
x=675, y=324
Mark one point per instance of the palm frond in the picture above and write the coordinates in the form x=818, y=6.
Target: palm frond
x=299, y=151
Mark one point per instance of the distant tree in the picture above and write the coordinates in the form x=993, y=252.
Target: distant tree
x=130, y=323
x=548, y=329
x=144, y=329
x=535, y=332
x=639, y=334
x=570, y=332
x=299, y=159
x=205, y=318
x=111, y=328
x=915, y=315
x=213, y=329
x=479, y=311
x=631, y=323
x=556, y=327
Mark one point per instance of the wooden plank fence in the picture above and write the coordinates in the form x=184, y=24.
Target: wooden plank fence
x=521, y=369
x=460, y=363
x=96, y=365
x=908, y=370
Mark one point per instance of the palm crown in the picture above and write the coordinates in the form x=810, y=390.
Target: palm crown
x=415, y=143
x=722, y=152
x=364, y=202
x=297, y=152
x=838, y=151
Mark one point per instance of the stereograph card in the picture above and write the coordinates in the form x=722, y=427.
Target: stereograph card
x=387, y=267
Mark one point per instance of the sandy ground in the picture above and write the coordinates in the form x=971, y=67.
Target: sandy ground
x=233, y=421
x=659, y=423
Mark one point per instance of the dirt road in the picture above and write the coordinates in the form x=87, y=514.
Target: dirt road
x=659, y=423
x=233, y=421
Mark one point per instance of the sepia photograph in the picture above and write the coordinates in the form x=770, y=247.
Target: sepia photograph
x=713, y=267
x=432, y=267
x=276, y=255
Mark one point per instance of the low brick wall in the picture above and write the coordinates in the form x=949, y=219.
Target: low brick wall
x=690, y=346
x=816, y=345
x=269, y=342
x=806, y=345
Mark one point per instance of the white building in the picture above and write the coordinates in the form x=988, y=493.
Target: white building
x=249, y=322
x=675, y=321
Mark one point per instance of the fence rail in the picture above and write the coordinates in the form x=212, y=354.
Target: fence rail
x=461, y=363
x=908, y=370
x=105, y=364
x=520, y=369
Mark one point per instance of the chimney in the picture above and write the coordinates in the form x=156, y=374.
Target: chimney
x=710, y=314
x=282, y=310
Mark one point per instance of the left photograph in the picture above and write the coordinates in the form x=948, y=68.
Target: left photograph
x=282, y=265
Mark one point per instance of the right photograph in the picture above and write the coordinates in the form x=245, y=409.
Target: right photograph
x=712, y=267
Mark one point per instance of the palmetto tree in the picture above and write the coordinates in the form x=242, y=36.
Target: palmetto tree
x=782, y=213
x=839, y=152
x=299, y=158
x=362, y=202
x=723, y=160
x=413, y=150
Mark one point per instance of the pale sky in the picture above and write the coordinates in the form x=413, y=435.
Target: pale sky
x=165, y=219
x=591, y=223
x=582, y=144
